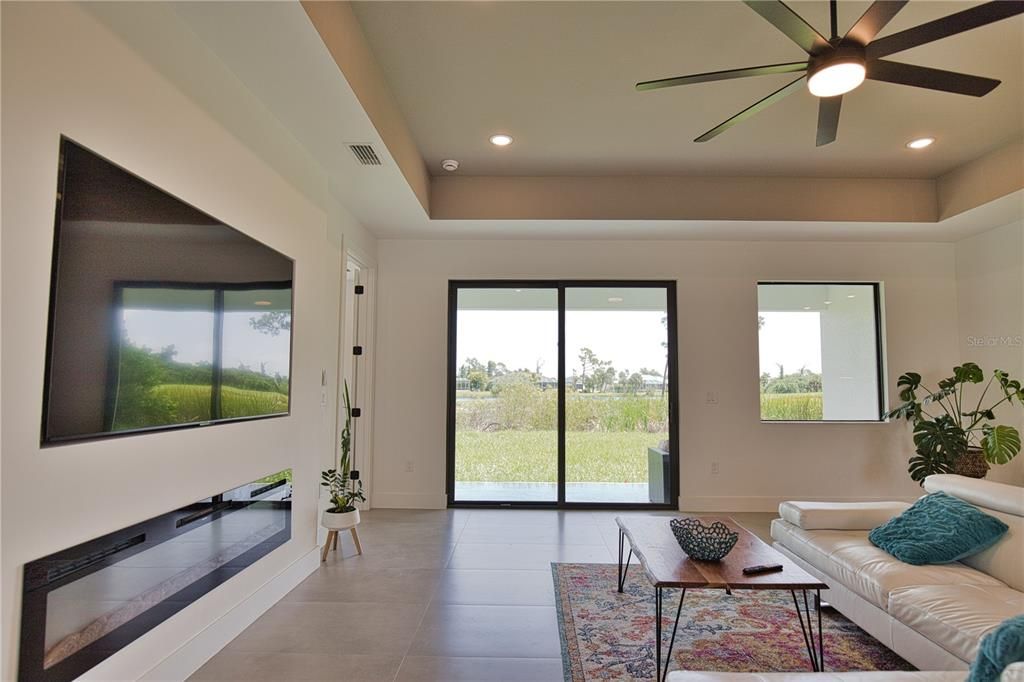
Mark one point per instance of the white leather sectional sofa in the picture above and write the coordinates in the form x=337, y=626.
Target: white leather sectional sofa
x=933, y=616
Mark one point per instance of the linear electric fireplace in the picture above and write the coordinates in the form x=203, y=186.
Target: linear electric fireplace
x=82, y=604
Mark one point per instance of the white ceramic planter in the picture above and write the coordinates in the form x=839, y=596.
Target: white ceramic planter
x=339, y=520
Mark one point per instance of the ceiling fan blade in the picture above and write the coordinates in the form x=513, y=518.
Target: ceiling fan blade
x=874, y=20
x=933, y=79
x=790, y=23
x=722, y=75
x=945, y=27
x=828, y=119
x=754, y=108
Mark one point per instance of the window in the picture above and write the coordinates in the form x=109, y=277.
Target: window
x=562, y=393
x=820, y=352
x=194, y=353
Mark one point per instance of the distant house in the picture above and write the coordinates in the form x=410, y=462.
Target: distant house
x=653, y=382
x=548, y=382
x=461, y=384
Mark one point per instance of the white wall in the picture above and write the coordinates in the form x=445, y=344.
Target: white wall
x=760, y=464
x=65, y=72
x=990, y=305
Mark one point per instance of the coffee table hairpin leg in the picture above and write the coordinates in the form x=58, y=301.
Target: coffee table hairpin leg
x=815, y=653
x=662, y=671
x=623, y=570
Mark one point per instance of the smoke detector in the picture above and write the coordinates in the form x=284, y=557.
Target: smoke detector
x=450, y=165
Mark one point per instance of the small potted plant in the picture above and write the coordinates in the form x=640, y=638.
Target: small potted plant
x=957, y=439
x=343, y=485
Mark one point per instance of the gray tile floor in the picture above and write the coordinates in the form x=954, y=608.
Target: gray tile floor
x=445, y=596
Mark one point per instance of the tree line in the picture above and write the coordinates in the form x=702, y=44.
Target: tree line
x=591, y=375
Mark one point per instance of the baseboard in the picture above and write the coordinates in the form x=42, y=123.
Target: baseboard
x=193, y=654
x=383, y=500
x=765, y=503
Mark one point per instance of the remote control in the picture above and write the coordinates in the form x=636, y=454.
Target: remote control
x=754, y=570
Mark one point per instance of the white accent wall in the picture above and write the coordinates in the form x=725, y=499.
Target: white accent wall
x=759, y=463
x=188, y=126
x=990, y=308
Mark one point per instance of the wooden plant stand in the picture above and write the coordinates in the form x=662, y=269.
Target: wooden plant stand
x=332, y=542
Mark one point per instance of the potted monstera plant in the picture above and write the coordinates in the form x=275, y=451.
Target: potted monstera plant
x=344, y=488
x=950, y=436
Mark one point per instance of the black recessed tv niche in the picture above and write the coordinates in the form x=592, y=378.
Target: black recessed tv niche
x=161, y=316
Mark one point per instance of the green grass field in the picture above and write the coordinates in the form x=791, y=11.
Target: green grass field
x=510, y=456
x=193, y=402
x=791, y=406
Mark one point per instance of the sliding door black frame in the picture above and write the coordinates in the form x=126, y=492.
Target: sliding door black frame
x=560, y=286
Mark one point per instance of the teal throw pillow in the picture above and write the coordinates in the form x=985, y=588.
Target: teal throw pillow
x=938, y=529
x=999, y=648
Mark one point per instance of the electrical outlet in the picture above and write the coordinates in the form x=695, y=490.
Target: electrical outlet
x=714, y=468
x=712, y=398
x=408, y=466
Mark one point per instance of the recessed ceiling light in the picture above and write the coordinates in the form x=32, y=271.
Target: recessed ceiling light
x=501, y=140
x=807, y=307
x=920, y=143
x=851, y=296
x=262, y=303
x=615, y=299
x=828, y=302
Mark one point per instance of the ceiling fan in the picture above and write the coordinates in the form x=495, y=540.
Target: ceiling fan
x=840, y=64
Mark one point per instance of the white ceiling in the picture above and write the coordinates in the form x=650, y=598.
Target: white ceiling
x=268, y=46
x=559, y=77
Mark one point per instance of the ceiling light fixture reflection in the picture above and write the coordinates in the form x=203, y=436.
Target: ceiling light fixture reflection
x=920, y=143
x=262, y=303
x=615, y=299
x=501, y=140
x=828, y=302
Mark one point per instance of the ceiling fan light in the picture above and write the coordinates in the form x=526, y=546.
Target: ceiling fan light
x=920, y=143
x=836, y=78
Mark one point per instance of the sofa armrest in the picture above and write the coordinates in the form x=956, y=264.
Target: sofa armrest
x=840, y=515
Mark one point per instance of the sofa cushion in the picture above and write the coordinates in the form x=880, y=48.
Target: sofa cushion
x=938, y=529
x=840, y=515
x=1005, y=502
x=848, y=556
x=955, y=617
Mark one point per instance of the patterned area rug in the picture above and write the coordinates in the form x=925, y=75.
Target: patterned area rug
x=610, y=636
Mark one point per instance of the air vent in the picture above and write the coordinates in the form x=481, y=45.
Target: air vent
x=365, y=154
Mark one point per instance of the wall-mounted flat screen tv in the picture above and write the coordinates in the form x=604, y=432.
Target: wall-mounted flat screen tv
x=161, y=316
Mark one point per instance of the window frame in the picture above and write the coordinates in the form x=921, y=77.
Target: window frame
x=561, y=285
x=218, y=289
x=879, y=339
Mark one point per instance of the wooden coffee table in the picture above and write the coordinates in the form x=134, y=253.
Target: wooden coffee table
x=666, y=566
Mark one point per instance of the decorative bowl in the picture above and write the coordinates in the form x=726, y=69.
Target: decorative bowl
x=704, y=543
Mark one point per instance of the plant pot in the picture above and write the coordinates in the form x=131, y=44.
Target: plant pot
x=972, y=464
x=339, y=520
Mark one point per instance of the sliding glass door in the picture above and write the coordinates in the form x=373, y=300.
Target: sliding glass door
x=562, y=393
x=505, y=397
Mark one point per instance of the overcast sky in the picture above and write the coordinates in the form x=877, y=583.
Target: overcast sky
x=191, y=333
x=629, y=339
